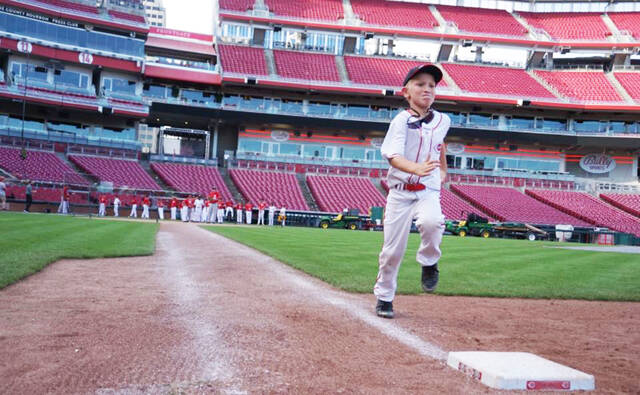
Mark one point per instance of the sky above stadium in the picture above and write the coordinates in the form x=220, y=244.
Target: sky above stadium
x=194, y=16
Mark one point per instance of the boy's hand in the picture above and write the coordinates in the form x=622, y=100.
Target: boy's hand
x=425, y=168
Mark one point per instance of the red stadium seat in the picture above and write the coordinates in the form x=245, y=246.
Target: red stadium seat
x=482, y=20
x=508, y=204
x=326, y=10
x=569, y=25
x=393, y=13
x=123, y=173
x=380, y=71
x=334, y=193
x=127, y=16
x=455, y=208
x=192, y=178
x=281, y=189
x=243, y=60
x=627, y=202
x=496, y=80
x=39, y=166
x=586, y=86
x=631, y=83
x=627, y=21
x=589, y=209
x=306, y=66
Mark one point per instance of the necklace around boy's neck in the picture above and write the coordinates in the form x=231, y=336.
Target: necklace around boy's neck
x=426, y=117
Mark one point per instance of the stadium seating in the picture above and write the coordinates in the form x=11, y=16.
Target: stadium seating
x=326, y=10
x=127, y=16
x=496, y=80
x=306, y=66
x=588, y=86
x=395, y=14
x=627, y=202
x=243, y=60
x=631, y=83
x=236, y=5
x=508, y=204
x=38, y=166
x=192, y=178
x=380, y=71
x=71, y=5
x=569, y=25
x=281, y=189
x=453, y=207
x=589, y=209
x=629, y=21
x=333, y=194
x=482, y=20
x=123, y=173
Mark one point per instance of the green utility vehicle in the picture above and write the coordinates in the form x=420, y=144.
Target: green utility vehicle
x=474, y=225
x=341, y=221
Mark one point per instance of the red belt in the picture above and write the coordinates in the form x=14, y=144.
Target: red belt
x=410, y=187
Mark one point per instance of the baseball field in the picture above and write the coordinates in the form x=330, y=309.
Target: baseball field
x=118, y=306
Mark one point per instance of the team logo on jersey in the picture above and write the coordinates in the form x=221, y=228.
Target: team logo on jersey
x=438, y=147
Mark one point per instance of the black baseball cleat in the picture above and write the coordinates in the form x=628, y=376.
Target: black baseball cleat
x=430, y=275
x=384, y=309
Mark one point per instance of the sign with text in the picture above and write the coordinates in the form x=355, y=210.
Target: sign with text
x=597, y=163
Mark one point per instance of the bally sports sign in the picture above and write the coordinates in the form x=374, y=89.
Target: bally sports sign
x=597, y=163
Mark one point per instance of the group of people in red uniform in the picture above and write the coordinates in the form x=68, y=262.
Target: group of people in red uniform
x=205, y=209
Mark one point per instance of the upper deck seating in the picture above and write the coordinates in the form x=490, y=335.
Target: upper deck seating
x=496, y=80
x=325, y=10
x=394, y=14
x=380, y=71
x=587, y=86
x=243, y=60
x=482, y=20
x=569, y=25
x=629, y=21
x=631, y=83
x=306, y=66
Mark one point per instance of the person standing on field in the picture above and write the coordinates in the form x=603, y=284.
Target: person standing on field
x=248, y=212
x=174, y=208
x=134, y=208
x=228, y=211
x=102, y=205
x=116, y=206
x=283, y=216
x=261, y=206
x=29, y=195
x=272, y=213
x=414, y=147
x=160, y=205
x=239, y=208
x=146, y=202
x=220, y=212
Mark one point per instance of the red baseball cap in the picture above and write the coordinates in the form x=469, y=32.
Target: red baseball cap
x=424, y=68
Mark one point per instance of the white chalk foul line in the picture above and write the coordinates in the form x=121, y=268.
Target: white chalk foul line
x=323, y=293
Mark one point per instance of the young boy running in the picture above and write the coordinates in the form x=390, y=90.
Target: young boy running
x=414, y=147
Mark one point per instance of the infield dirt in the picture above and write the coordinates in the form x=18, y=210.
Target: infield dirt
x=208, y=315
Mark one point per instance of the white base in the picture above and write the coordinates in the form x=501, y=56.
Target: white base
x=519, y=371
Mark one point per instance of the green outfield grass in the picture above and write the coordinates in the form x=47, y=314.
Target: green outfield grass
x=469, y=266
x=29, y=242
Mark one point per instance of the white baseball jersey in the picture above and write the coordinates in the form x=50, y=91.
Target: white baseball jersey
x=416, y=141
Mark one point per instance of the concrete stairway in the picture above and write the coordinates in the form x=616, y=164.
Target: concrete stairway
x=237, y=196
x=306, y=192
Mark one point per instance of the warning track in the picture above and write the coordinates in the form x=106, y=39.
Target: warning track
x=205, y=314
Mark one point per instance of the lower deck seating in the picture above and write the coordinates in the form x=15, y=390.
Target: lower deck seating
x=45, y=194
x=192, y=178
x=627, y=202
x=38, y=166
x=280, y=189
x=123, y=173
x=455, y=208
x=590, y=209
x=508, y=204
x=334, y=194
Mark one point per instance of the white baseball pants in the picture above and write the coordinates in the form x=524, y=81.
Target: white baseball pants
x=173, y=213
x=239, y=216
x=260, y=217
x=161, y=212
x=116, y=208
x=220, y=215
x=134, y=211
x=402, y=207
x=248, y=214
x=145, y=211
x=101, y=209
